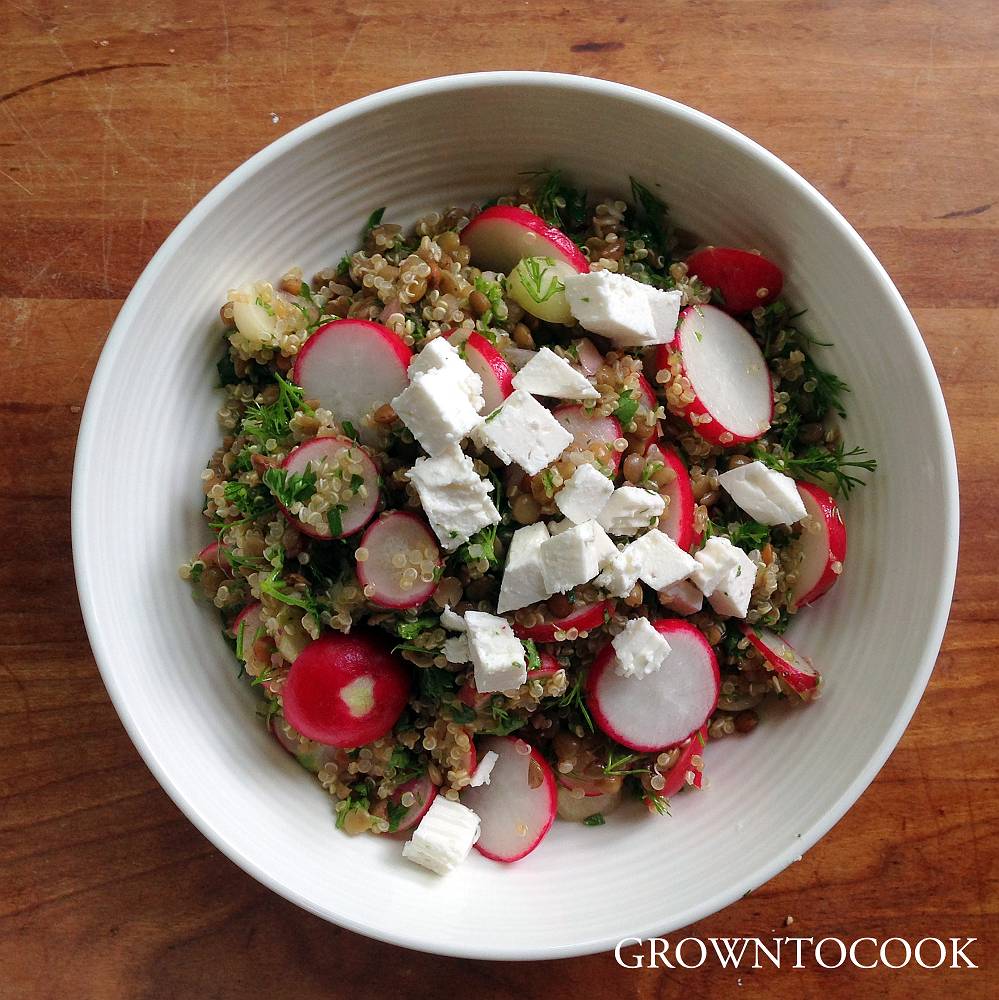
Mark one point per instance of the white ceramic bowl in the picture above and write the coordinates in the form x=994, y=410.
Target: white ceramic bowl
x=149, y=427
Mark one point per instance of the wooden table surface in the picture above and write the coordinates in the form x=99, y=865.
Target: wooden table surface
x=114, y=123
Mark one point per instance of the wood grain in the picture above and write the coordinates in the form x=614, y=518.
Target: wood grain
x=114, y=122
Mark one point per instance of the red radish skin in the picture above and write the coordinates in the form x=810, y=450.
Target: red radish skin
x=665, y=708
x=823, y=551
x=394, y=533
x=214, y=555
x=794, y=668
x=346, y=690
x=588, y=428
x=582, y=619
x=501, y=236
x=514, y=816
x=732, y=404
x=678, y=519
x=359, y=510
x=353, y=366
x=738, y=275
x=549, y=667
x=676, y=776
x=425, y=792
x=490, y=366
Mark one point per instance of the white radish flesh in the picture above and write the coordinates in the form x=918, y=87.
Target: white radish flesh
x=823, y=545
x=358, y=501
x=502, y=235
x=517, y=807
x=662, y=709
x=588, y=429
x=393, y=548
x=491, y=367
x=678, y=519
x=796, y=669
x=352, y=367
x=733, y=395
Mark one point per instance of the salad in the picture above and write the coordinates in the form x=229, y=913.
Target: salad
x=512, y=509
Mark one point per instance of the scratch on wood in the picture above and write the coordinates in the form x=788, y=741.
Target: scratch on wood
x=963, y=213
x=86, y=71
x=597, y=46
x=14, y=180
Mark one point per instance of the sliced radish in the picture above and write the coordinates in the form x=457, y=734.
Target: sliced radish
x=393, y=548
x=549, y=667
x=517, y=807
x=424, y=791
x=676, y=776
x=793, y=667
x=346, y=690
x=662, y=709
x=582, y=619
x=589, y=358
x=470, y=696
x=491, y=367
x=733, y=396
x=359, y=500
x=745, y=280
x=214, y=555
x=678, y=520
x=353, y=366
x=575, y=809
x=823, y=545
x=253, y=645
x=644, y=437
x=502, y=235
x=590, y=431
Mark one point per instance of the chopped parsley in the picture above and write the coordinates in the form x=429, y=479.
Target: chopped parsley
x=627, y=407
x=533, y=656
x=271, y=422
x=410, y=628
x=374, y=219
x=597, y=819
x=290, y=487
x=251, y=501
x=654, y=215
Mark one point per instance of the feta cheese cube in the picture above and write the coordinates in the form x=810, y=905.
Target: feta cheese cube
x=456, y=649
x=435, y=407
x=547, y=374
x=485, y=769
x=620, y=574
x=732, y=595
x=454, y=497
x=629, y=312
x=440, y=353
x=451, y=620
x=602, y=544
x=523, y=582
x=585, y=494
x=523, y=432
x=639, y=650
x=660, y=560
x=570, y=558
x=682, y=597
x=716, y=561
x=444, y=836
x=497, y=654
x=765, y=495
x=629, y=510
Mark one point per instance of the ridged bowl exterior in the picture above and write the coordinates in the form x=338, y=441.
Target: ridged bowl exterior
x=149, y=427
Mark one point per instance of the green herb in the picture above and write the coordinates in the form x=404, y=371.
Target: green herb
x=503, y=722
x=574, y=701
x=406, y=765
x=655, y=215
x=359, y=798
x=374, y=219
x=273, y=586
x=829, y=388
x=461, y=713
x=412, y=627
x=534, y=277
x=349, y=429
x=533, y=656
x=396, y=813
x=493, y=291
x=239, y=640
x=290, y=487
x=267, y=308
x=557, y=202
x=252, y=501
x=271, y=422
x=548, y=481
x=492, y=416
x=597, y=819
x=658, y=802
x=627, y=407
x=747, y=535
x=435, y=683
x=343, y=267
x=226, y=369
x=617, y=764
x=826, y=463
x=242, y=463
x=197, y=570
x=485, y=539
x=334, y=519
x=651, y=468
x=356, y=482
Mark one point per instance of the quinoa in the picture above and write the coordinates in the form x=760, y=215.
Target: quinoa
x=268, y=554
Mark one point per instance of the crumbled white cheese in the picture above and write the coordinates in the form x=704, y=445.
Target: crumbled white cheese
x=660, y=560
x=620, y=574
x=523, y=432
x=732, y=595
x=767, y=496
x=497, y=654
x=618, y=307
x=585, y=494
x=523, y=582
x=639, y=650
x=441, y=353
x=571, y=558
x=456, y=649
x=453, y=495
x=485, y=769
x=436, y=408
x=451, y=620
x=715, y=561
x=547, y=374
x=444, y=836
x=629, y=510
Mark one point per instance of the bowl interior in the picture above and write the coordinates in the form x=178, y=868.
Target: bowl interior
x=149, y=428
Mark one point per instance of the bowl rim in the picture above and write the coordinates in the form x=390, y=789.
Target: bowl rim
x=923, y=370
